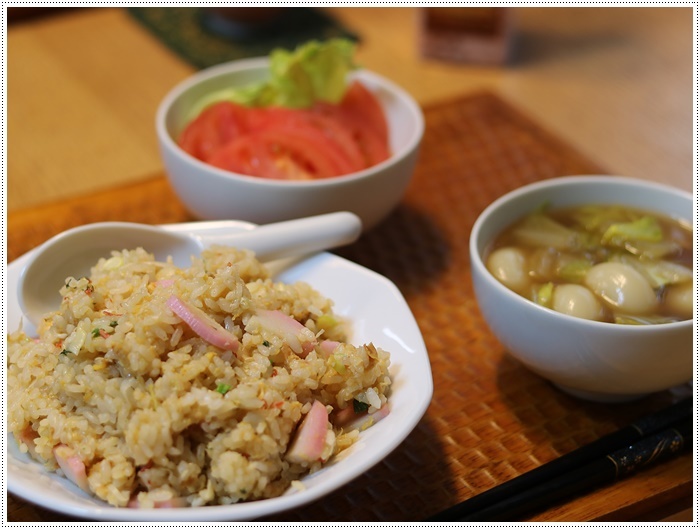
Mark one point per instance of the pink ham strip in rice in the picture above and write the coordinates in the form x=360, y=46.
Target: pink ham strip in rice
x=72, y=466
x=204, y=326
x=310, y=439
x=301, y=340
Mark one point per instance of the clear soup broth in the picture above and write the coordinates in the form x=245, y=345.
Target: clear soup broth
x=608, y=263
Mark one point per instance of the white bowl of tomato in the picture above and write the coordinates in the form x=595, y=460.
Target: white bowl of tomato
x=266, y=162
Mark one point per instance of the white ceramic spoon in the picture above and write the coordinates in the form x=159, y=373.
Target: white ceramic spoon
x=75, y=251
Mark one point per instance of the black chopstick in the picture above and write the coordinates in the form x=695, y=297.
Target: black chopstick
x=579, y=470
x=607, y=469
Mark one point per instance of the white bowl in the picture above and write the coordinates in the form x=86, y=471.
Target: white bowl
x=589, y=359
x=212, y=193
x=378, y=313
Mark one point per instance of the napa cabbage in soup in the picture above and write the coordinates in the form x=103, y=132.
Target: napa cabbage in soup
x=608, y=263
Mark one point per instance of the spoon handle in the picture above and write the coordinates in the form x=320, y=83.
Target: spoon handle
x=294, y=237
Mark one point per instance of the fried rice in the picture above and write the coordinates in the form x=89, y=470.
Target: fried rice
x=158, y=386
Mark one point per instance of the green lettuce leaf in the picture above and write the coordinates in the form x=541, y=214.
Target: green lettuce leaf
x=315, y=71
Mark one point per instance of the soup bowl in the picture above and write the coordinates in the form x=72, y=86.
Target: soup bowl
x=593, y=360
x=210, y=193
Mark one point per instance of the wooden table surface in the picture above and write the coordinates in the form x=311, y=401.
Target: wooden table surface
x=614, y=83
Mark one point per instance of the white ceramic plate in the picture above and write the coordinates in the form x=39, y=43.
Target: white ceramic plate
x=378, y=313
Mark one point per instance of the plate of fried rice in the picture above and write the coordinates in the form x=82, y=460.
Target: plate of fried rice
x=224, y=391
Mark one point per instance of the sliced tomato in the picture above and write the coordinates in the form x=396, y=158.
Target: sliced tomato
x=309, y=149
x=246, y=155
x=323, y=131
x=325, y=141
x=361, y=114
x=373, y=146
x=359, y=101
x=339, y=134
x=281, y=154
x=262, y=118
x=215, y=126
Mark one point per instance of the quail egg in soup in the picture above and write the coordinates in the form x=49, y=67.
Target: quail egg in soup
x=608, y=263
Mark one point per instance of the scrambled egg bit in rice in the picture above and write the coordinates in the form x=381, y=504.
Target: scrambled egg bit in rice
x=155, y=386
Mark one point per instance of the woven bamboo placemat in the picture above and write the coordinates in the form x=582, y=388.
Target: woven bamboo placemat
x=490, y=419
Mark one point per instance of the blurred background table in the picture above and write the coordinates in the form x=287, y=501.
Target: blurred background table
x=614, y=83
